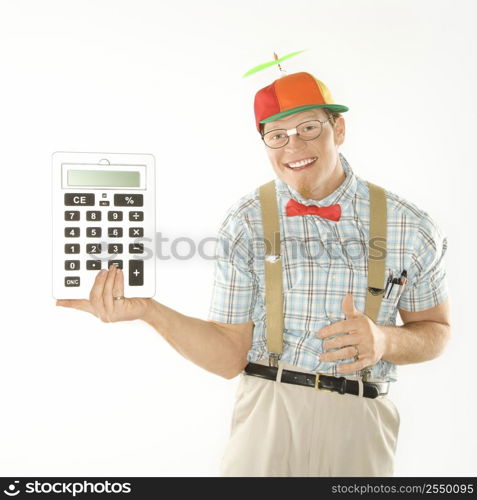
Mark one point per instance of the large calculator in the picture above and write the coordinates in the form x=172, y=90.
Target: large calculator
x=103, y=214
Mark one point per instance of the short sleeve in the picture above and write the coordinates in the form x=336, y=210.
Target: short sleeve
x=235, y=289
x=427, y=285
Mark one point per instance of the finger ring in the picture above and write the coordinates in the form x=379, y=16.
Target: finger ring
x=356, y=357
x=119, y=298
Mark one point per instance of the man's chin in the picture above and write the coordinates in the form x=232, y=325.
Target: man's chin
x=302, y=185
x=305, y=192
x=302, y=188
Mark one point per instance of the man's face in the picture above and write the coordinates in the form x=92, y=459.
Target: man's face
x=324, y=169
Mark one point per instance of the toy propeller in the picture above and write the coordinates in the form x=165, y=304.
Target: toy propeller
x=276, y=60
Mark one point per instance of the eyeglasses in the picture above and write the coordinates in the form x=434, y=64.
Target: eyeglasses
x=307, y=131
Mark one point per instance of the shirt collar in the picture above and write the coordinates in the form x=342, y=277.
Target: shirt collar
x=343, y=194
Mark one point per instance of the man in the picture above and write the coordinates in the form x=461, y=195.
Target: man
x=281, y=426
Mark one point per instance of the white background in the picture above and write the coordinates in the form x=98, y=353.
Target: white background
x=81, y=397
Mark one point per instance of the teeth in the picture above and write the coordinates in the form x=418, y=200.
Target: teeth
x=301, y=163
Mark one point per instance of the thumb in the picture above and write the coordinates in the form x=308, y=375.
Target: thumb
x=348, y=307
x=81, y=304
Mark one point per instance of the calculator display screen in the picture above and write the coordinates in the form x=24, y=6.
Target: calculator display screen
x=103, y=178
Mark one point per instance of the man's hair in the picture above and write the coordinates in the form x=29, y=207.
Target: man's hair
x=330, y=114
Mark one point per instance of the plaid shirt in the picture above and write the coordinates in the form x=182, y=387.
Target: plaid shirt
x=322, y=261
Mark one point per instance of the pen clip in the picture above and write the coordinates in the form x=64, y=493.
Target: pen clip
x=389, y=280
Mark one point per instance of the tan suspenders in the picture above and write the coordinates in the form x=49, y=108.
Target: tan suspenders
x=273, y=264
x=273, y=272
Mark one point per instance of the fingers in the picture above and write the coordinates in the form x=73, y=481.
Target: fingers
x=96, y=294
x=345, y=353
x=100, y=301
x=342, y=341
x=118, y=286
x=343, y=326
x=108, y=291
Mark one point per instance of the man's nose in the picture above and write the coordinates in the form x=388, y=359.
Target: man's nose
x=295, y=143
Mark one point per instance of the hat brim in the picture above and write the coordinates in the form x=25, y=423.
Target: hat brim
x=338, y=108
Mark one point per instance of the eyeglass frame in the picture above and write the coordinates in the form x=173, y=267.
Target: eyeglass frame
x=296, y=132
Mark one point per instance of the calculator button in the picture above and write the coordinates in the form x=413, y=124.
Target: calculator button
x=136, y=232
x=118, y=263
x=136, y=248
x=72, y=232
x=115, y=232
x=93, y=232
x=72, y=265
x=128, y=200
x=93, y=265
x=93, y=248
x=115, y=216
x=136, y=216
x=104, y=203
x=72, y=215
x=72, y=281
x=136, y=273
x=83, y=199
x=72, y=248
x=115, y=248
x=93, y=215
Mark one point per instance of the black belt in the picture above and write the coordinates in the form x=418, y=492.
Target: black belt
x=319, y=381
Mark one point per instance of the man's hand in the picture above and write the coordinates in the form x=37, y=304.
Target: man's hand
x=364, y=338
x=109, y=284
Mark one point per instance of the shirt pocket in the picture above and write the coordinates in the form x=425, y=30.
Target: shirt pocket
x=341, y=280
x=391, y=298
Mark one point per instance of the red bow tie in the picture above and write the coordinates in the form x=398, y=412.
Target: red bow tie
x=332, y=212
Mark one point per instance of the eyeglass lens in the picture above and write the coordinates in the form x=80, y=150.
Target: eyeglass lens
x=307, y=131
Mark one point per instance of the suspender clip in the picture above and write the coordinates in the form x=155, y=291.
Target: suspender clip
x=366, y=372
x=273, y=358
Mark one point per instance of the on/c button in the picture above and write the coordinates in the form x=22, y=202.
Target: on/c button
x=72, y=281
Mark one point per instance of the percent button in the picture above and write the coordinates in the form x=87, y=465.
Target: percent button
x=128, y=200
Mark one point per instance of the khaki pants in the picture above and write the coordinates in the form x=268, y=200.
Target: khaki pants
x=280, y=429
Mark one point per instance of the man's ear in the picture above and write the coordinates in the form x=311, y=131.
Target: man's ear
x=339, y=131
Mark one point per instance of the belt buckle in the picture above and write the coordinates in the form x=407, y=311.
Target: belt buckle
x=317, y=384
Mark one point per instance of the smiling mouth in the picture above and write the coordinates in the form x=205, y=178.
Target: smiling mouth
x=302, y=164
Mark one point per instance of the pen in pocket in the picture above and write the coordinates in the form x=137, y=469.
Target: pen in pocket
x=390, y=278
x=402, y=280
